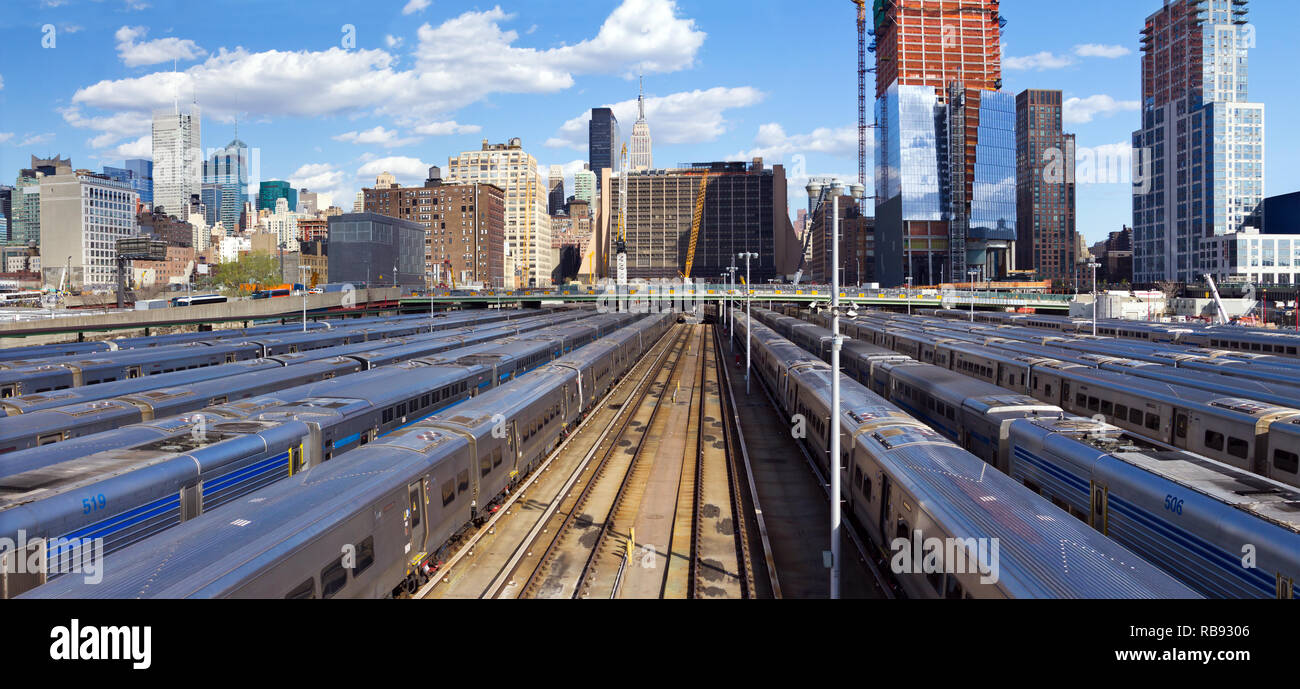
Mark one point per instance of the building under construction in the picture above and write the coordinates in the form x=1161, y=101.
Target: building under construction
x=945, y=142
x=744, y=209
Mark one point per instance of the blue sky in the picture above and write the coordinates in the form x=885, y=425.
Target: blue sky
x=409, y=83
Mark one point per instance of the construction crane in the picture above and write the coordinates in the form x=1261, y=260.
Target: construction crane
x=696, y=221
x=1218, y=303
x=862, y=92
x=620, y=241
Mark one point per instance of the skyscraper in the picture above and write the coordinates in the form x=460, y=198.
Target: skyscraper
x=603, y=142
x=1045, y=217
x=272, y=190
x=555, y=185
x=1199, y=168
x=527, y=220
x=945, y=142
x=639, y=152
x=177, y=157
x=137, y=172
x=228, y=169
x=584, y=186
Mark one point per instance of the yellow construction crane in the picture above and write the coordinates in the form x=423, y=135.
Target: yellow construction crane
x=695, y=225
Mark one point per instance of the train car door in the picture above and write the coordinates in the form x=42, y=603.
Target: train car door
x=417, y=525
x=1285, y=587
x=886, y=497
x=1100, y=516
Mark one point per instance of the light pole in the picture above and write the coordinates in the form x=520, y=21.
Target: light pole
x=428, y=284
x=732, y=269
x=1094, y=265
x=972, y=273
x=722, y=299
x=749, y=323
x=909, y=296
x=306, y=272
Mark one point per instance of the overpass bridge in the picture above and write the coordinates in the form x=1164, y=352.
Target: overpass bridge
x=688, y=295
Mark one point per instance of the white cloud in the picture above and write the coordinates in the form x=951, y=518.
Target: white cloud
x=53, y=3
x=36, y=139
x=1083, y=110
x=153, y=52
x=772, y=143
x=446, y=128
x=1037, y=62
x=111, y=128
x=5, y=137
x=2, y=82
x=136, y=5
x=408, y=171
x=459, y=62
x=140, y=148
x=388, y=138
x=415, y=6
x=1099, y=50
x=689, y=117
x=323, y=179
x=393, y=41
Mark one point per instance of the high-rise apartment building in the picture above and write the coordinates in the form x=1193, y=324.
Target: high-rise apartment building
x=1045, y=166
x=640, y=155
x=177, y=157
x=464, y=228
x=945, y=142
x=603, y=142
x=83, y=215
x=528, y=223
x=744, y=211
x=555, y=190
x=1199, y=168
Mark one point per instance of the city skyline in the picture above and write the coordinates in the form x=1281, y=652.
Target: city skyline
x=707, y=98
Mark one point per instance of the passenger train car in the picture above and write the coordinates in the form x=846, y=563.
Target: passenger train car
x=1224, y=532
x=904, y=481
x=399, y=503
x=144, y=489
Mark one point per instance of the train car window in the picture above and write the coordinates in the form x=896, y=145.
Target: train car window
x=388, y=415
x=1238, y=448
x=1214, y=440
x=333, y=578
x=1135, y=417
x=496, y=457
x=463, y=479
x=413, y=404
x=1288, y=462
x=426, y=400
x=1107, y=408
x=485, y=464
x=303, y=591
x=1121, y=412
x=365, y=556
x=448, y=492
x=1094, y=404
x=1047, y=389
x=1153, y=422
x=1081, y=400
x=413, y=491
x=866, y=487
x=401, y=409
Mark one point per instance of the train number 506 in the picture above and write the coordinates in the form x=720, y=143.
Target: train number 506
x=1173, y=504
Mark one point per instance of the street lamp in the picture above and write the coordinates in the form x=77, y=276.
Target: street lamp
x=732, y=269
x=1094, y=265
x=909, y=296
x=428, y=285
x=749, y=323
x=972, y=273
x=306, y=273
x=722, y=299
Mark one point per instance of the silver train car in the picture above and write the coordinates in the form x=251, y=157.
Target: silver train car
x=381, y=522
x=904, y=482
x=1224, y=532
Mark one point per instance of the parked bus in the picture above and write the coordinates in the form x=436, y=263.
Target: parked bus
x=198, y=300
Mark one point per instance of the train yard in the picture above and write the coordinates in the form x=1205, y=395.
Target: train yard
x=566, y=453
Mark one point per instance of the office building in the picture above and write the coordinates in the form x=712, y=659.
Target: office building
x=464, y=228
x=744, y=211
x=584, y=186
x=1199, y=154
x=857, y=244
x=177, y=157
x=527, y=221
x=272, y=190
x=555, y=186
x=83, y=214
x=1045, y=191
x=603, y=142
x=1278, y=214
x=307, y=202
x=376, y=250
x=945, y=143
x=137, y=172
x=640, y=155
x=227, y=168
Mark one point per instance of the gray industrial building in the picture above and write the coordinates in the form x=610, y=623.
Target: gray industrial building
x=374, y=249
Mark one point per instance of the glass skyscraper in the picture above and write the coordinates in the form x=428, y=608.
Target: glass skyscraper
x=603, y=142
x=271, y=190
x=227, y=168
x=137, y=172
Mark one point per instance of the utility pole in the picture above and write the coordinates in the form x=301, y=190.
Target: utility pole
x=972, y=274
x=732, y=269
x=909, y=296
x=749, y=323
x=1094, y=265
